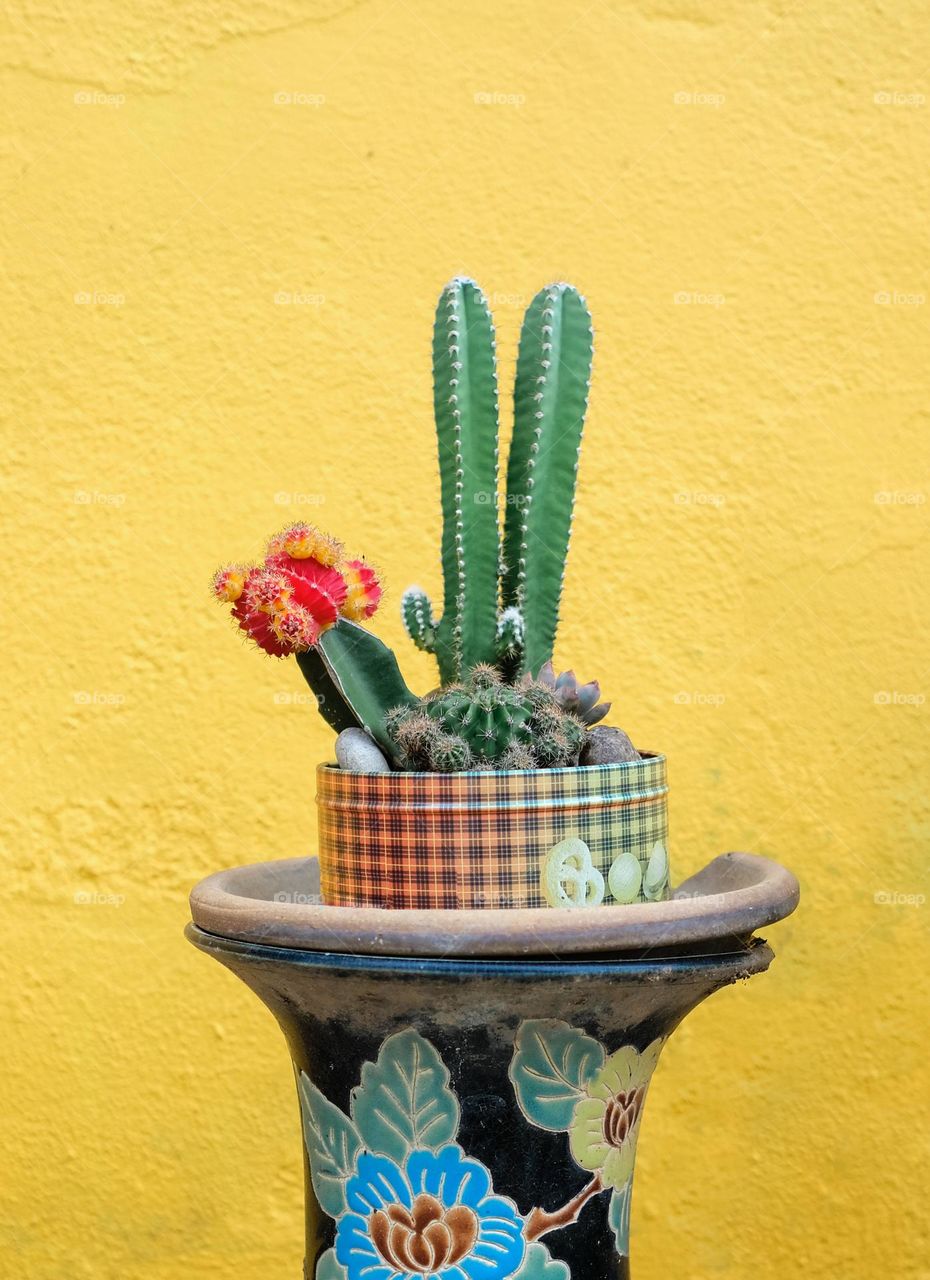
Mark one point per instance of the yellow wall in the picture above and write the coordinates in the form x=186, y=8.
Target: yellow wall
x=736, y=581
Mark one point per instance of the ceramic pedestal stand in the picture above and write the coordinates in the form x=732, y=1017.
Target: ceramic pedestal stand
x=472, y=1082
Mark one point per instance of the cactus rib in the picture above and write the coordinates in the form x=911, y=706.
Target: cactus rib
x=550, y=401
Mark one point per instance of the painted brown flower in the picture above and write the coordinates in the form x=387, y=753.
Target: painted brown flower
x=621, y=1115
x=424, y=1238
x=606, y=1121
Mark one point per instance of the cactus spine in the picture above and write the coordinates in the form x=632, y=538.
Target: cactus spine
x=466, y=408
x=550, y=401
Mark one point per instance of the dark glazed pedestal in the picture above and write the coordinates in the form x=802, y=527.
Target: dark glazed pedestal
x=475, y=1116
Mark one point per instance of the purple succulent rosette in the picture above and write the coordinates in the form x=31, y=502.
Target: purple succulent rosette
x=407, y=1201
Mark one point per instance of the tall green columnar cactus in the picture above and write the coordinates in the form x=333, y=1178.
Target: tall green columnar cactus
x=550, y=401
x=466, y=408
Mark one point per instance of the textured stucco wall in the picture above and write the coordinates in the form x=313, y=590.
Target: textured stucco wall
x=741, y=191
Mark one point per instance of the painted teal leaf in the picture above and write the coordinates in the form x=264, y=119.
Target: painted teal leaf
x=537, y=1265
x=551, y=1066
x=329, y=1269
x=619, y=1217
x=333, y=1145
x=404, y=1100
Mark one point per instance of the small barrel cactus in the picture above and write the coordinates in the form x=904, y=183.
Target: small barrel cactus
x=484, y=723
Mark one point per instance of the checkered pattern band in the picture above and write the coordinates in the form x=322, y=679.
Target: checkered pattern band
x=479, y=839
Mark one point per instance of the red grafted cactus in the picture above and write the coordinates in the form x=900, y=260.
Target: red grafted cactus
x=300, y=590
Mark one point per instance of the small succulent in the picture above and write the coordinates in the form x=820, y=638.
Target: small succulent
x=580, y=699
x=484, y=723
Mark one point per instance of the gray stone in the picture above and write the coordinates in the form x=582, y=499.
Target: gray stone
x=356, y=751
x=606, y=746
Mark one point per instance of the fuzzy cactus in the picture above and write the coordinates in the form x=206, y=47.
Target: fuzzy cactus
x=511, y=640
x=487, y=713
x=580, y=699
x=484, y=723
x=307, y=599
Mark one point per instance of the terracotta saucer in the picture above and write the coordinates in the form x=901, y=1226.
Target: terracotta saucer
x=276, y=904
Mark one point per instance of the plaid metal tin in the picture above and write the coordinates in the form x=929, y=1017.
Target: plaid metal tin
x=472, y=840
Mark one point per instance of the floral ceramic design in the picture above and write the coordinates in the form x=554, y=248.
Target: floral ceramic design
x=605, y=1123
x=437, y=1216
x=410, y=1204
x=565, y=1082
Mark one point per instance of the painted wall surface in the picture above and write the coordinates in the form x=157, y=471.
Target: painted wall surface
x=224, y=229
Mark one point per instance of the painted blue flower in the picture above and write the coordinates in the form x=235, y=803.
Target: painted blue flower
x=434, y=1219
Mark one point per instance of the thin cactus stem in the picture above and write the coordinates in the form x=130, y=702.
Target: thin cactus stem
x=417, y=613
x=550, y=401
x=466, y=408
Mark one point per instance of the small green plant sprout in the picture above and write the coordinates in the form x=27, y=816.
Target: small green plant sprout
x=307, y=598
x=501, y=599
x=484, y=723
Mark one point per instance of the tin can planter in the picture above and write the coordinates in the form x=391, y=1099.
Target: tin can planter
x=505, y=839
x=476, y=1116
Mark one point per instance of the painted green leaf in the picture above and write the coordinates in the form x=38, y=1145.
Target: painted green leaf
x=329, y=1269
x=619, y=1217
x=552, y=1063
x=404, y=1100
x=333, y=1145
x=537, y=1265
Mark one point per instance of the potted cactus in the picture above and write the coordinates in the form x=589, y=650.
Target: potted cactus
x=499, y=788
x=472, y=1070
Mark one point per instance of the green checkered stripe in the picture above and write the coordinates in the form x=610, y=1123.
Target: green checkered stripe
x=473, y=840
